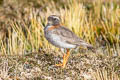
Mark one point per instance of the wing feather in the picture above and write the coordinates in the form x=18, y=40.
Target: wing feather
x=70, y=37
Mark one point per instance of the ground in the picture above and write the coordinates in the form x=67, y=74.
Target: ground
x=41, y=66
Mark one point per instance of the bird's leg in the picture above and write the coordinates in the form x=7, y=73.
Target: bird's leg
x=65, y=59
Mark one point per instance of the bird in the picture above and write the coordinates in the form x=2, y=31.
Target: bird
x=62, y=37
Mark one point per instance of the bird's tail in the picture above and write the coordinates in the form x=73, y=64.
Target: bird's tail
x=89, y=46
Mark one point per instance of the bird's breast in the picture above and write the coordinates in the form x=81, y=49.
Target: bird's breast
x=51, y=27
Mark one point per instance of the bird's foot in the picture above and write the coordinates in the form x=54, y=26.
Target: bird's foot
x=60, y=64
x=64, y=62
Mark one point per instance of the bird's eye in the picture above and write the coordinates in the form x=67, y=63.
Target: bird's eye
x=55, y=19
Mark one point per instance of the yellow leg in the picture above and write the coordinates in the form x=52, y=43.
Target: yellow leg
x=65, y=59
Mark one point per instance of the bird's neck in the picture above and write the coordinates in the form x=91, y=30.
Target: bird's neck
x=57, y=24
x=51, y=27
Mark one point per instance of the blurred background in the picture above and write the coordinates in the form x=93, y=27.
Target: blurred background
x=22, y=23
x=96, y=21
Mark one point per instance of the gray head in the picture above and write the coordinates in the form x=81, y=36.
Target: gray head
x=53, y=20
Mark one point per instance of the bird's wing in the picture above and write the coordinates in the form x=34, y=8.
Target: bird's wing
x=68, y=36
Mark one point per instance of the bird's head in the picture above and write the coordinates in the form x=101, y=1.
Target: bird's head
x=53, y=20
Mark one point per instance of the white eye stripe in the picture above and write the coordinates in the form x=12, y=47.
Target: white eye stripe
x=56, y=17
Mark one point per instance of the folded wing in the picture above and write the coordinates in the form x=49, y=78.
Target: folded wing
x=70, y=37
